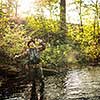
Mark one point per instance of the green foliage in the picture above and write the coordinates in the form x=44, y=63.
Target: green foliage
x=14, y=40
x=56, y=55
x=87, y=41
x=41, y=25
x=59, y=49
x=56, y=47
x=11, y=34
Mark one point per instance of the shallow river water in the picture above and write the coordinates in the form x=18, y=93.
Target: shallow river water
x=72, y=84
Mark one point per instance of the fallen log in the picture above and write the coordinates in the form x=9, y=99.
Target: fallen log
x=7, y=70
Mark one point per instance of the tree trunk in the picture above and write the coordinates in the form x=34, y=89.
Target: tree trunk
x=94, y=25
x=81, y=22
x=16, y=8
x=63, y=15
x=97, y=15
x=1, y=4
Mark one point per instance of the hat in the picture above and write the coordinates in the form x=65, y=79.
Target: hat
x=30, y=42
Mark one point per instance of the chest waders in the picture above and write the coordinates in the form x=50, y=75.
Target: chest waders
x=36, y=75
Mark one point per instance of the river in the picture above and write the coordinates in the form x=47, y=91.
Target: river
x=71, y=84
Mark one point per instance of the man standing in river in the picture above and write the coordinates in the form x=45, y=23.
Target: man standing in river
x=35, y=72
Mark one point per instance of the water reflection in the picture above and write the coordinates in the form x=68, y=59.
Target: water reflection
x=82, y=83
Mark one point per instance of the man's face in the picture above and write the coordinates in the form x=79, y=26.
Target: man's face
x=31, y=44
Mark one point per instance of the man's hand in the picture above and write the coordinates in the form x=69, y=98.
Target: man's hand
x=40, y=41
x=16, y=57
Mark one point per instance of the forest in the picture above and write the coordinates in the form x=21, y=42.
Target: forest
x=70, y=30
x=63, y=39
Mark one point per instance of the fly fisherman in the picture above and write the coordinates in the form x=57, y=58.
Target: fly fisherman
x=35, y=72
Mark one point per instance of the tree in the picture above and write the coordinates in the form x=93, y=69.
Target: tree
x=16, y=7
x=79, y=5
x=52, y=7
x=96, y=10
x=80, y=13
x=63, y=14
x=12, y=7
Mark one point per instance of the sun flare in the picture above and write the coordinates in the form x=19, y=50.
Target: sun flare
x=26, y=7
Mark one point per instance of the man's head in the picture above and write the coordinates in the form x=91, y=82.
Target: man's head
x=31, y=43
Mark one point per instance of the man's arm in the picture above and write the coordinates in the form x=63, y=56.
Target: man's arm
x=22, y=55
x=41, y=46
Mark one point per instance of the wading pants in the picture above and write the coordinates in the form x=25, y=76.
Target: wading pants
x=37, y=75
